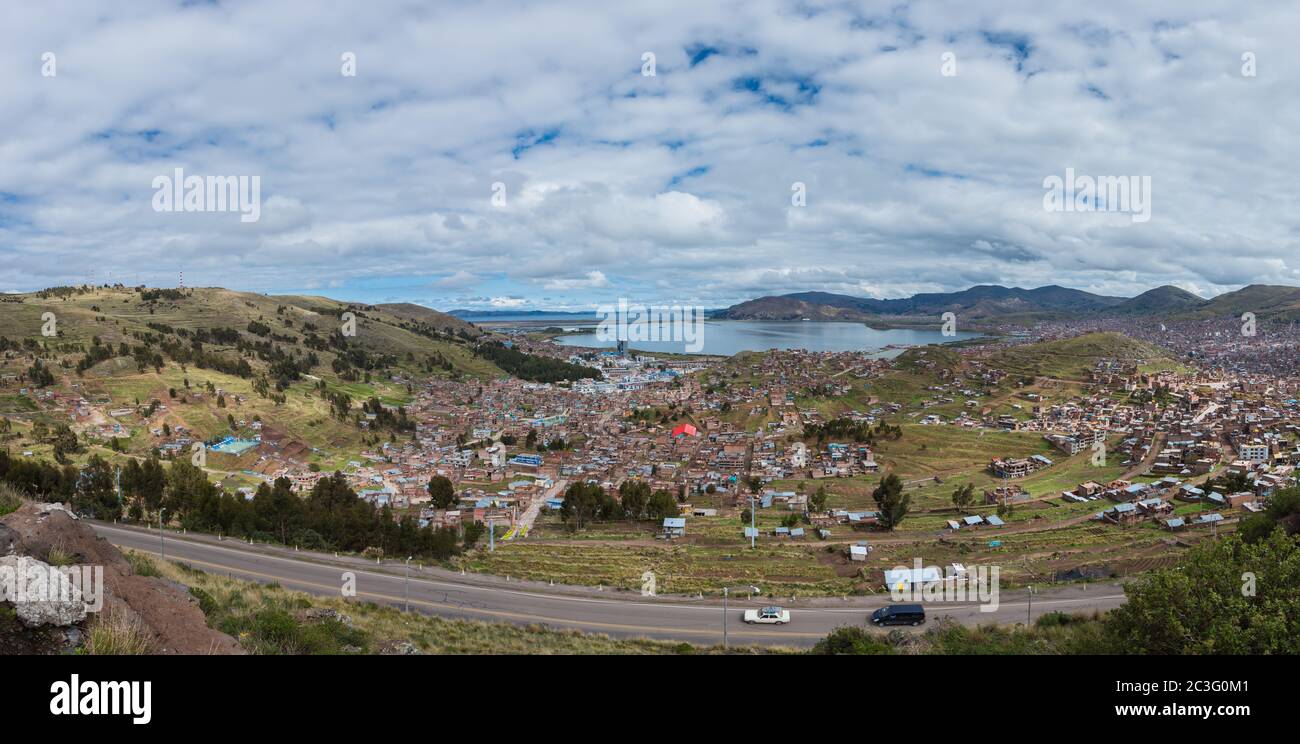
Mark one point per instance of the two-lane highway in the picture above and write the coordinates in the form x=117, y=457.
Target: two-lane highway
x=446, y=593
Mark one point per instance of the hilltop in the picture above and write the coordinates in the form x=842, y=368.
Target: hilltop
x=1264, y=300
x=984, y=301
x=995, y=303
x=142, y=367
x=390, y=336
x=1074, y=358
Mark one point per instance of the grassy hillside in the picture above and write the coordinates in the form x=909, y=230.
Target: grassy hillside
x=211, y=356
x=411, y=334
x=1273, y=301
x=1075, y=358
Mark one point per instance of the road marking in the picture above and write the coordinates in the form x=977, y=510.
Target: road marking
x=496, y=613
x=481, y=588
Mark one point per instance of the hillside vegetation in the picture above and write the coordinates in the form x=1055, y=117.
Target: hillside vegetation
x=269, y=619
x=386, y=336
x=1074, y=358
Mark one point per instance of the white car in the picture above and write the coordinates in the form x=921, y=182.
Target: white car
x=768, y=616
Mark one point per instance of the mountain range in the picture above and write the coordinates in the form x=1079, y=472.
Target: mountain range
x=995, y=303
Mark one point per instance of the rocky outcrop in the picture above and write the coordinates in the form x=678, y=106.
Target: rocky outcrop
x=41, y=594
x=164, y=611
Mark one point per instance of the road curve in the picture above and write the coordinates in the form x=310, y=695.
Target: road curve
x=616, y=613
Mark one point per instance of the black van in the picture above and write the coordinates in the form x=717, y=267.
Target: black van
x=912, y=614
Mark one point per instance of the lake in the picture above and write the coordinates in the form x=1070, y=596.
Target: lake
x=727, y=337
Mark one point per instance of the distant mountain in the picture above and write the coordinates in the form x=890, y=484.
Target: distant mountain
x=487, y=314
x=1160, y=301
x=994, y=303
x=431, y=318
x=979, y=302
x=1265, y=300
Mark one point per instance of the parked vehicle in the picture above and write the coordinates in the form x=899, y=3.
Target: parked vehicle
x=768, y=616
x=913, y=614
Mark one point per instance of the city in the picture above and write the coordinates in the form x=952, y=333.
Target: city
x=734, y=330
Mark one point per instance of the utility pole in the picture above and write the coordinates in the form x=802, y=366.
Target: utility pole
x=725, y=591
x=1030, y=612
x=492, y=538
x=406, y=587
x=162, y=544
x=753, y=525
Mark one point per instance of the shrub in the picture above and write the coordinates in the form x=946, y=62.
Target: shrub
x=206, y=602
x=854, y=641
x=10, y=499
x=141, y=564
x=116, y=636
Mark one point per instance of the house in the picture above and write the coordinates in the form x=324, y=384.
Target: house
x=911, y=578
x=674, y=527
x=1124, y=513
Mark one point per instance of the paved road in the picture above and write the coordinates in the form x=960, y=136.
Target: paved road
x=626, y=614
x=529, y=516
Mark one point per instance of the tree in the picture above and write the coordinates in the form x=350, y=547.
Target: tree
x=442, y=492
x=471, y=533
x=634, y=495
x=1226, y=596
x=583, y=502
x=891, y=501
x=662, y=505
x=65, y=442
x=963, y=496
x=1283, y=511
x=96, y=492
x=1005, y=509
x=278, y=509
x=818, y=501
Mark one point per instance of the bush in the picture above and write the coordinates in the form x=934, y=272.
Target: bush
x=852, y=640
x=206, y=602
x=141, y=564
x=10, y=499
x=273, y=629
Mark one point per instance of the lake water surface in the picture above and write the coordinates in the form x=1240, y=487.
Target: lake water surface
x=727, y=337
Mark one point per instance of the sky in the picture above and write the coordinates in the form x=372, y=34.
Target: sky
x=505, y=155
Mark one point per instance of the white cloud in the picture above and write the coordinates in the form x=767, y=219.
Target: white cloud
x=679, y=183
x=593, y=280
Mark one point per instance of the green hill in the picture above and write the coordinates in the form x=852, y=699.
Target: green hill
x=214, y=361
x=1265, y=300
x=1075, y=358
x=1160, y=301
x=396, y=337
